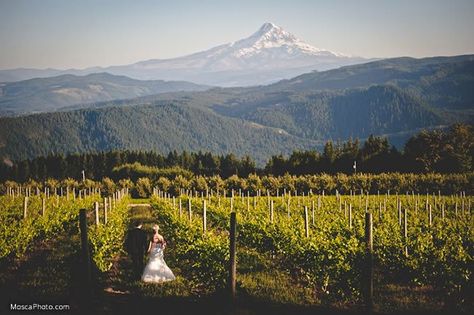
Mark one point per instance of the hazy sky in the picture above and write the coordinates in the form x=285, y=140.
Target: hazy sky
x=77, y=34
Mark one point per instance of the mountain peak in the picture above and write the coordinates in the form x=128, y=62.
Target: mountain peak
x=268, y=26
x=271, y=32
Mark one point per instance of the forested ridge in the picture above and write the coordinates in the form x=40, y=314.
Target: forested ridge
x=395, y=98
x=449, y=151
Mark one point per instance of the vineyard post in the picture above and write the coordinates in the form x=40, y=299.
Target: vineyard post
x=430, y=217
x=233, y=249
x=248, y=201
x=380, y=210
x=271, y=211
x=442, y=210
x=312, y=211
x=85, y=246
x=174, y=202
x=306, y=225
x=180, y=208
x=96, y=210
x=105, y=210
x=25, y=207
x=350, y=216
x=367, y=202
x=204, y=210
x=254, y=202
x=189, y=210
x=405, y=230
x=43, y=206
x=370, y=273
x=399, y=206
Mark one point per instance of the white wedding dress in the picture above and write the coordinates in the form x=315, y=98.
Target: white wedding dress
x=156, y=269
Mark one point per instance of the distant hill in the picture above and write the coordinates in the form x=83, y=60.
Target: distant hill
x=395, y=98
x=268, y=55
x=51, y=94
x=161, y=127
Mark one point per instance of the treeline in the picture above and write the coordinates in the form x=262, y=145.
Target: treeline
x=449, y=151
x=273, y=185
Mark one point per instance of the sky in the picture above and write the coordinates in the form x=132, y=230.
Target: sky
x=78, y=34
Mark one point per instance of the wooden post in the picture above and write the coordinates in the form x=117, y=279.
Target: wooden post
x=350, y=216
x=399, y=206
x=96, y=208
x=180, y=208
x=25, y=207
x=105, y=210
x=271, y=211
x=312, y=211
x=85, y=246
x=204, y=227
x=248, y=202
x=233, y=250
x=405, y=230
x=306, y=225
x=369, y=285
x=43, y=206
x=190, y=214
x=430, y=217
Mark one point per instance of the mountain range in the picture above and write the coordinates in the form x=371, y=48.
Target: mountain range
x=267, y=56
x=393, y=97
x=57, y=93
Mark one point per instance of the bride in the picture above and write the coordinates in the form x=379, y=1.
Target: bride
x=156, y=269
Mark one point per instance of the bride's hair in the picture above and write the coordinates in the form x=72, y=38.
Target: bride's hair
x=156, y=228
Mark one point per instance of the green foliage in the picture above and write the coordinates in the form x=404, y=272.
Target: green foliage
x=143, y=187
x=137, y=170
x=331, y=260
x=107, y=239
x=18, y=234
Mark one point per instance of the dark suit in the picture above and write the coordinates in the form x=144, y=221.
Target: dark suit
x=137, y=245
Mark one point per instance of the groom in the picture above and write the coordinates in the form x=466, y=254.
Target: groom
x=136, y=245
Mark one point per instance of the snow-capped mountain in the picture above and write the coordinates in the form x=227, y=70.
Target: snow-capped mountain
x=268, y=55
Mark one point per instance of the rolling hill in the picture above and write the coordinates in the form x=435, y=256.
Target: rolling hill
x=51, y=94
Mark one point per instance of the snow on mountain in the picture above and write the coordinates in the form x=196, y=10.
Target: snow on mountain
x=267, y=56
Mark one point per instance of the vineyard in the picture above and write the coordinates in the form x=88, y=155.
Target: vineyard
x=307, y=250
x=317, y=243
